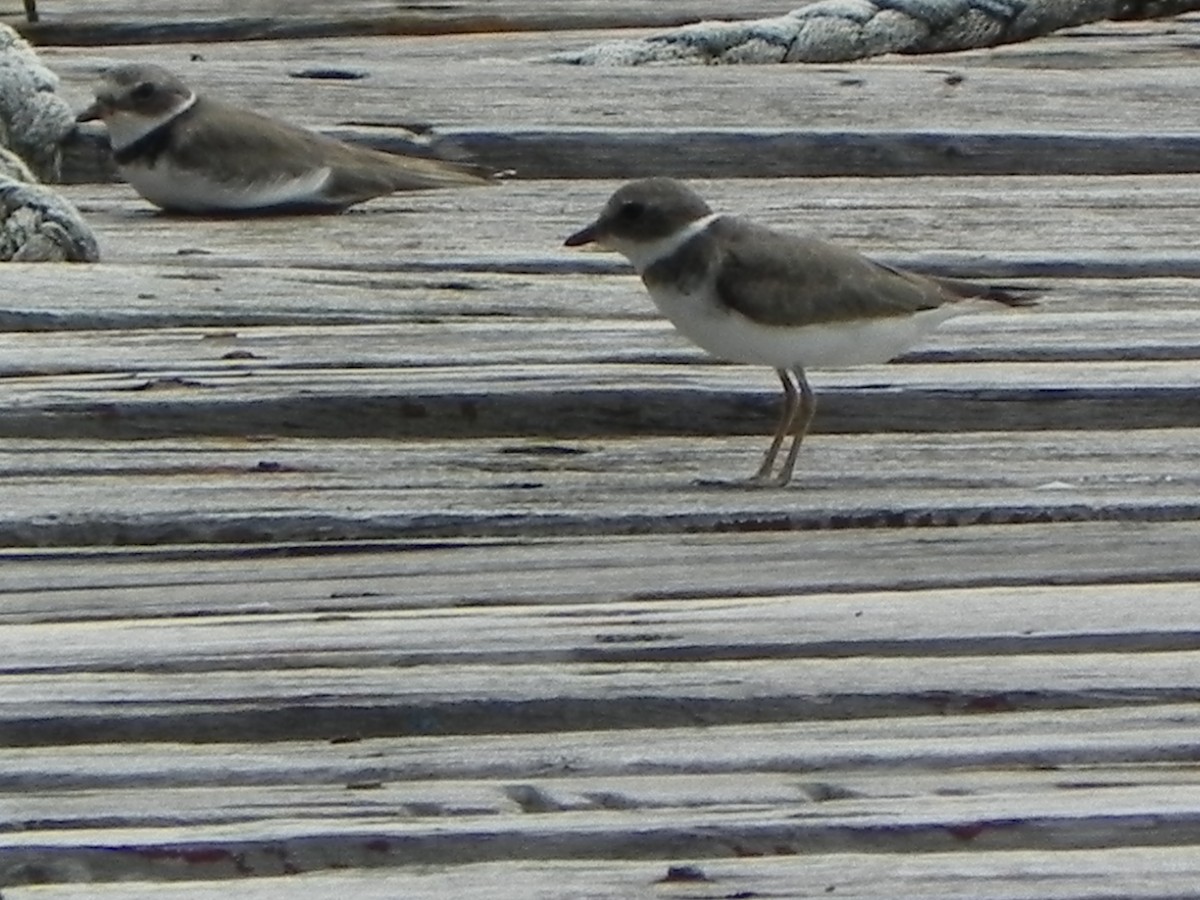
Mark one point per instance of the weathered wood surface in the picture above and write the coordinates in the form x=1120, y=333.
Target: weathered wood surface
x=446, y=353
x=200, y=338
x=1151, y=873
x=422, y=582
x=315, y=698
x=130, y=21
x=401, y=702
x=393, y=724
x=408, y=85
x=563, y=402
x=238, y=640
x=246, y=489
x=226, y=578
x=153, y=22
x=497, y=81
x=948, y=114
x=993, y=227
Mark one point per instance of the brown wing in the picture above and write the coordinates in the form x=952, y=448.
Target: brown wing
x=263, y=149
x=782, y=279
x=358, y=172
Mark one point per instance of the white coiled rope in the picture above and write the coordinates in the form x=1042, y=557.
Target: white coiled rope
x=37, y=224
x=844, y=30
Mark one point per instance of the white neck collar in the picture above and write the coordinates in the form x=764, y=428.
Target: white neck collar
x=644, y=255
x=125, y=129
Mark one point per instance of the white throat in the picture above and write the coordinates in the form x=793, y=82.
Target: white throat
x=644, y=254
x=124, y=128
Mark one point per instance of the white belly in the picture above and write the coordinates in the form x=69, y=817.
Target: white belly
x=730, y=335
x=189, y=191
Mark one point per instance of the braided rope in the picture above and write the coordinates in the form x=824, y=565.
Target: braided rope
x=36, y=223
x=843, y=30
x=33, y=118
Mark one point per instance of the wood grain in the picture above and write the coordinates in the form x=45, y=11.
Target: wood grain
x=364, y=555
x=155, y=22
x=1150, y=873
x=945, y=114
x=225, y=577
x=1053, y=227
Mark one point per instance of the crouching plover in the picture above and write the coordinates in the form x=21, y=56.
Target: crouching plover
x=750, y=294
x=190, y=154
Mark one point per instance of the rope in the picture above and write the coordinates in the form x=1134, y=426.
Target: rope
x=33, y=118
x=36, y=223
x=843, y=30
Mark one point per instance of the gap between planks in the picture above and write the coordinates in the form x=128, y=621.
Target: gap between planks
x=580, y=153
x=301, y=846
x=287, y=490
x=1136, y=873
x=961, y=783
x=1002, y=227
x=979, y=622
x=1148, y=75
x=332, y=576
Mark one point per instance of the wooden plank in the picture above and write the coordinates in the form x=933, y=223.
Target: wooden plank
x=858, y=758
x=303, y=648
x=564, y=402
x=102, y=582
x=1018, y=780
x=810, y=153
x=150, y=10
x=843, y=810
x=1139, y=873
x=1002, y=813
x=846, y=799
x=216, y=287
x=854, y=812
x=193, y=792
x=558, y=153
x=1027, y=85
x=846, y=806
x=431, y=328
x=297, y=491
x=884, y=686
x=1108, y=227
x=901, y=114
x=158, y=23
x=290, y=848
x=1107, y=318
x=369, y=701
x=843, y=775
x=989, y=622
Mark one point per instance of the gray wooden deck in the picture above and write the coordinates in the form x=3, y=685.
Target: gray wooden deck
x=364, y=555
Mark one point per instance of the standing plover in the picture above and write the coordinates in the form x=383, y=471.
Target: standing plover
x=750, y=294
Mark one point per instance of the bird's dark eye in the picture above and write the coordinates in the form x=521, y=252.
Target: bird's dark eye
x=143, y=91
x=631, y=211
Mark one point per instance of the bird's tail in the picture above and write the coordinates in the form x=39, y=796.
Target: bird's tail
x=415, y=172
x=1008, y=294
